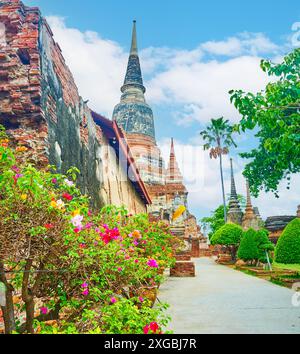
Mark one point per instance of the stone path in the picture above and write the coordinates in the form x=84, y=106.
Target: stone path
x=223, y=300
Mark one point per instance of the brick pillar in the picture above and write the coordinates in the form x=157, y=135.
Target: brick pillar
x=195, y=252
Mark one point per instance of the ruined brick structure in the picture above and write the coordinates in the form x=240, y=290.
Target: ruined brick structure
x=41, y=108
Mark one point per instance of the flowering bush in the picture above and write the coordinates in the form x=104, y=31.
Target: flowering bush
x=74, y=270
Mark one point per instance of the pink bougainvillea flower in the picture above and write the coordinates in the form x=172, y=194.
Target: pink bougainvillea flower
x=77, y=220
x=152, y=263
x=96, y=243
x=44, y=310
x=135, y=242
x=154, y=327
x=69, y=183
x=127, y=257
x=77, y=230
x=84, y=285
x=90, y=213
x=109, y=234
x=85, y=292
x=54, y=180
x=16, y=177
x=16, y=169
x=88, y=225
x=67, y=196
x=120, y=269
x=82, y=245
x=136, y=261
x=146, y=329
x=49, y=226
x=141, y=299
x=113, y=300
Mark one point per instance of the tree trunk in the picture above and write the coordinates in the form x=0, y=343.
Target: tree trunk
x=8, y=309
x=223, y=189
x=27, y=297
x=8, y=312
x=29, y=305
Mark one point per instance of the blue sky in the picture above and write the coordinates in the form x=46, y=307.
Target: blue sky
x=192, y=53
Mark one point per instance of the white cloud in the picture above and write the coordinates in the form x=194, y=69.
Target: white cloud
x=96, y=63
x=202, y=87
x=243, y=43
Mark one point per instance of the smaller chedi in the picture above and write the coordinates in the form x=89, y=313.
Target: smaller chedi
x=235, y=214
x=251, y=217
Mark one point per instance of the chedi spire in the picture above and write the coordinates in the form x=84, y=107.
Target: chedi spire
x=173, y=173
x=235, y=214
x=133, y=114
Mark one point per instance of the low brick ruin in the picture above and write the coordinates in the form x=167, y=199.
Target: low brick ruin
x=183, y=269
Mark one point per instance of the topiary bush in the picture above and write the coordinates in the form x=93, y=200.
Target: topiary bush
x=248, y=250
x=264, y=244
x=288, y=246
x=229, y=234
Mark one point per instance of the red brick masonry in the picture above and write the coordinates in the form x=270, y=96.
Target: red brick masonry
x=183, y=269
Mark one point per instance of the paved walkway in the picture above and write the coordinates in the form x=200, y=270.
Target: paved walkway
x=223, y=300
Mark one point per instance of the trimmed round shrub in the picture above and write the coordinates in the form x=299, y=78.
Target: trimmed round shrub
x=229, y=234
x=248, y=249
x=264, y=244
x=288, y=246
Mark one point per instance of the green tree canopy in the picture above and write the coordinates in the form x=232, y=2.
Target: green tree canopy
x=274, y=113
x=229, y=234
x=215, y=221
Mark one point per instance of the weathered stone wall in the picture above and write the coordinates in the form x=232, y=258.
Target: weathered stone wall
x=41, y=108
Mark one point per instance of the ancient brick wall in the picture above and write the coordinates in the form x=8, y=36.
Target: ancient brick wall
x=41, y=108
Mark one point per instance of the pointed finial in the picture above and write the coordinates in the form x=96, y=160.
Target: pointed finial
x=134, y=49
x=233, y=187
x=249, y=203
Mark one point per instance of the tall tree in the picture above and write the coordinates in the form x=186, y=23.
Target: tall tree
x=218, y=139
x=274, y=113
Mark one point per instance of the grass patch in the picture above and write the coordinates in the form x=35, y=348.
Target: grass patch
x=295, y=267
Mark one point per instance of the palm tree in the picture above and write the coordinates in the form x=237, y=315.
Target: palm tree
x=218, y=138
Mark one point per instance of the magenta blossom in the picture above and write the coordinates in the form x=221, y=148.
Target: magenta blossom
x=135, y=242
x=113, y=300
x=141, y=299
x=85, y=285
x=54, y=180
x=16, y=169
x=44, y=310
x=152, y=263
x=120, y=269
x=85, y=292
x=88, y=225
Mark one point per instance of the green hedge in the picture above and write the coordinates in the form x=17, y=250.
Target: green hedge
x=229, y=234
x=288, y=246
x=248, y=249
